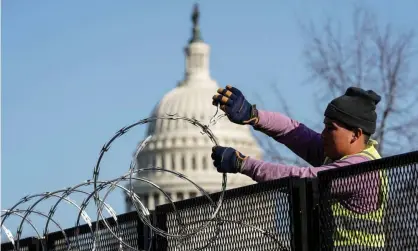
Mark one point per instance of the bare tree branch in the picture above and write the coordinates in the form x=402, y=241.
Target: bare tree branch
x=373, y=58
x=370, y=57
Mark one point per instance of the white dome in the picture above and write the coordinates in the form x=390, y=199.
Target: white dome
x=180, y=146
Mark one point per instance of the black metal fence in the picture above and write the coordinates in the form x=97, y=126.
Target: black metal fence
x=368, y=206
x=255, y=217
x=128, y=227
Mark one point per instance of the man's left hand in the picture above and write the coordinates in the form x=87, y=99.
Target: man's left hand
x=227, y=159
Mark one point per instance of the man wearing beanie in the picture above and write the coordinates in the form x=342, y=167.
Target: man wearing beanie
x=349, y=121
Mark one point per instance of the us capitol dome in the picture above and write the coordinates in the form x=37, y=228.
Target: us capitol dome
x=180, y=146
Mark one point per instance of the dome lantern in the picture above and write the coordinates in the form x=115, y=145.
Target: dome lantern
x=197, y=57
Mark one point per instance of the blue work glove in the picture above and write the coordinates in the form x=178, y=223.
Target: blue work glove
x=227, y=159
x=236, y=107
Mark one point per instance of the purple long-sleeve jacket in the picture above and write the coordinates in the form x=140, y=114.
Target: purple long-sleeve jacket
x=359, y=193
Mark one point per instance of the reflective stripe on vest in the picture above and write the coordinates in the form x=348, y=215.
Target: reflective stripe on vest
x=355, y=229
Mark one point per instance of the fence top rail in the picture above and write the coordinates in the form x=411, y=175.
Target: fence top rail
x=81, y=229
x=370, y=166
x=22, y=243
x=282, y=184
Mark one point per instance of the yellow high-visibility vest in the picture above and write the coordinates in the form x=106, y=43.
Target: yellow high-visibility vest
x=356, y=229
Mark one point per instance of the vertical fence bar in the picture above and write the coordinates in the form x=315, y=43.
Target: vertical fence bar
x=321, y=223
x=150, y=235
x=305, y=214
x=300, y=241
x=160, y=221
x=35, y=245
x=140, y=230
x=50, y=242
x=313, y=222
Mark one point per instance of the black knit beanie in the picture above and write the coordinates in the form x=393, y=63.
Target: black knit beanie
x=356, y=108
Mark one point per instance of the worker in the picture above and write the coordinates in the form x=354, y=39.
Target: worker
x=349, y=122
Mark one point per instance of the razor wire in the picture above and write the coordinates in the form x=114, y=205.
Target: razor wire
x=133, y=173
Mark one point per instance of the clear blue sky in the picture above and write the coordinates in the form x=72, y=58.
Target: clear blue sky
x=74, y=72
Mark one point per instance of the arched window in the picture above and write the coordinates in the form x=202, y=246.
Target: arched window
x=145, y=200
x=180, y=196
x=194, y=166
x=204, y=163
x=162, y=161
x=173, y=162
x=183, y=162
x=166, y=198
x=153, y=161
x=156, y=199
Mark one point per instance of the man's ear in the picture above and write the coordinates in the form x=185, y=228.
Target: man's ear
x=357, y=133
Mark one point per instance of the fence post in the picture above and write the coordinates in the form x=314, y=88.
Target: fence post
x=49, y=242
x=140, y=230
x=314, y=233
x=322, y=223
x=35, y=244
x=299, y=215
x=305, y=214
x=160, y=221
x=145, y=234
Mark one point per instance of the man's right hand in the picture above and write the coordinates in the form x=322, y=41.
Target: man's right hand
x=236, y=107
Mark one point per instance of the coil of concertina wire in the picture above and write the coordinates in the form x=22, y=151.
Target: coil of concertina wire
x=97, y=185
